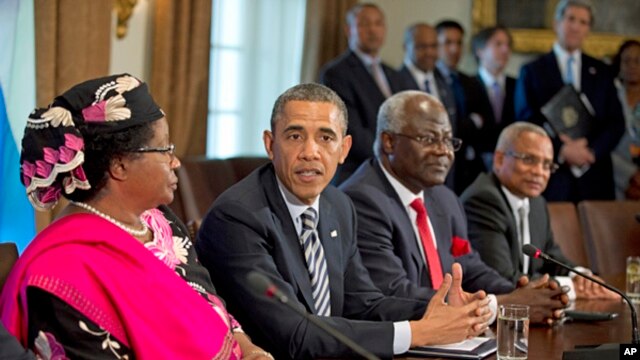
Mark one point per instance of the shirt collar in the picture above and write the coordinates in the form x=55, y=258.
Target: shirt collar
x=418, y=74
x=562, y=55
x=445, y=70
x=368, y=60
x=515, y=202
x=406, y=196
x=295, y=206
x=489, y=79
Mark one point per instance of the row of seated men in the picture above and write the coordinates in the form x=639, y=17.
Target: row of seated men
x=378, y=247
x=481, y=106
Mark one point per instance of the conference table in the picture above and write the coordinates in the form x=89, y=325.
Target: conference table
x=550, y=342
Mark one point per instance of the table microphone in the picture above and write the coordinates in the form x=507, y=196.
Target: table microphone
x=261, y=284
x=605, y=351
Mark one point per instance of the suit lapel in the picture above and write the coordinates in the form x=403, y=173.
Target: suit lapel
x=288, y=238
x=330, y=238
x=441, y=231
x=516, y=255
x=365, y=79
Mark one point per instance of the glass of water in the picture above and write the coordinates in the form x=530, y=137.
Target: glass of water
x=513, y=331
x=633, y=279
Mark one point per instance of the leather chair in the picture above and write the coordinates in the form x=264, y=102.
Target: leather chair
x=611, y=232
x=201, y=180
x=567, y=232
x=8, y=257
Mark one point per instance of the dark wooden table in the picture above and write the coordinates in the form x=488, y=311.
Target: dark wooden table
x=550, y=342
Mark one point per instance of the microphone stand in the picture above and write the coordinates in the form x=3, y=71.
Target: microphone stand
x=605, y=351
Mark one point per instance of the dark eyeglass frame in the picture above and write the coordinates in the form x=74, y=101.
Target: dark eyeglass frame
x=532, y=160
x=430, y=141
x=169, y=149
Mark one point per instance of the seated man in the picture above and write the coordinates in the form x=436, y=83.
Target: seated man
x=505, y=210
x=411, y=227
x=286, y=222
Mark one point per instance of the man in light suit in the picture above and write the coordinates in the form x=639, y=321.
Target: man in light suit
x=586, y=170
x=361, y=80
x=414, y=151
x=492, y=49
x=505, y=210
x=267, y=222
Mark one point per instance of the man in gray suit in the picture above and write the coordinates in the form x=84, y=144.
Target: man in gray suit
x=286, y=221
x=411, y=227
x=505, y=210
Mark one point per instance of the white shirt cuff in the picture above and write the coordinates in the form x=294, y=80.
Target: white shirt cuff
x=401, y=337
x=493, y=306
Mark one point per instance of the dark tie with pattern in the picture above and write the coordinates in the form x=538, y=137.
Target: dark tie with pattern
x=427, y=86
x=316, y=262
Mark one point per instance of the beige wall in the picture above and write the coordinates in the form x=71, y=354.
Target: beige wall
x=132, y=54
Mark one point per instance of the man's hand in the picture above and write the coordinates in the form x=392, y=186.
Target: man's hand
x=457, y=296
x=576, y=152
x=545, y=298
x=445, y=324
x=586, y=289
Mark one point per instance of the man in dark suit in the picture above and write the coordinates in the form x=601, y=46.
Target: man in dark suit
x=586, y=170
x=285, y=221
x=505, y=210
x=362, y=81
x=464, y=88
x=492, y=49
x=410, y=226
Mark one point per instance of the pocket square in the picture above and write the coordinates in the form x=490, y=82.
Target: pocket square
x=460, y=246
x=334, y=233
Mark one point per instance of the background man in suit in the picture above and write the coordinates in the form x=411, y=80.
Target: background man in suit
x=410, y=226
x=465, y=90
x=505, y=210
x=284, y=221
x=492, y=49
x=361, y=80
x=585, y=171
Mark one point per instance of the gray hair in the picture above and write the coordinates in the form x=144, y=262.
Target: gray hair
x=392, y=116
x=510, y=134
x=586, y=4
x=310, y=92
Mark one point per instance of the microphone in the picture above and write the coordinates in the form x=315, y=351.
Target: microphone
x=536, y=253
x=261, y=285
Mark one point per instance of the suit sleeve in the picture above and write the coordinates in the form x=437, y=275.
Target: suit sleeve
x=375, y=241
x=234, y=241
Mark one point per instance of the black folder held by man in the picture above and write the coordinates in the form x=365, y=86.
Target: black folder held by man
x=568, y=112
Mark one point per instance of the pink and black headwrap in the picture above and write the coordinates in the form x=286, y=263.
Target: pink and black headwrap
x=53, y=142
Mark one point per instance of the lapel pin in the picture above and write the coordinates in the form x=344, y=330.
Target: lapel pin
x=334, y=233
x=592, y=70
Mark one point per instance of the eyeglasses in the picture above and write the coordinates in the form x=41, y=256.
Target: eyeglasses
x=532, y=160
x=170, y=149
x=432, y=141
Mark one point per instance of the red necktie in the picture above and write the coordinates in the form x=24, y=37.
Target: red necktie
x=433, y=259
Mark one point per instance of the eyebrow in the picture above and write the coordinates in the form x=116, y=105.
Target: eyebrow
x=324, y=130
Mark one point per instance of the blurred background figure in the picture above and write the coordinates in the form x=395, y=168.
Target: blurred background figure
x=626, y=156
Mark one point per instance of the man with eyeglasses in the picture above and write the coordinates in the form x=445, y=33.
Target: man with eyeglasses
x=505, y=210
x=412, y=228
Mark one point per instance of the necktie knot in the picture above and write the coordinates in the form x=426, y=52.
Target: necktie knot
x=309, y=219
x=418, y=205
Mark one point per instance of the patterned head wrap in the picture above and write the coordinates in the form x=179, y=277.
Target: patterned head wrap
x=53, y=144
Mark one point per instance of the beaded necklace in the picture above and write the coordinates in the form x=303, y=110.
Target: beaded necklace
x=134, y=232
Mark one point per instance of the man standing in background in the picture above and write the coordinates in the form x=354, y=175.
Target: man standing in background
x=586, y=171
x=362, y=81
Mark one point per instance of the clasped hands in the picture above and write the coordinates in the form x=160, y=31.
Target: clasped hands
x=576, y=152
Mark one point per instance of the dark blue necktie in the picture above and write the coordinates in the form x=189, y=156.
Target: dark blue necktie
x=316, y=262
x=458, y=94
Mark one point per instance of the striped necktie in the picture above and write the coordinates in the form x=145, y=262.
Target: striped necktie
x=316, y=262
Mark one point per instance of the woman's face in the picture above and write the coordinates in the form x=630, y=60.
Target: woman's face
x=630, y=64
x=152, y=177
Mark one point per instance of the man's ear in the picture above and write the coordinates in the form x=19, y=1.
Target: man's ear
x=387, y=141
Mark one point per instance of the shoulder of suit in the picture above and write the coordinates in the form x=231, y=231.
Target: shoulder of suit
x=344, y=60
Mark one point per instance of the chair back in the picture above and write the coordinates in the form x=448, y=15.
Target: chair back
x=567, y=232
x=611, y=232
x=8, y=257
